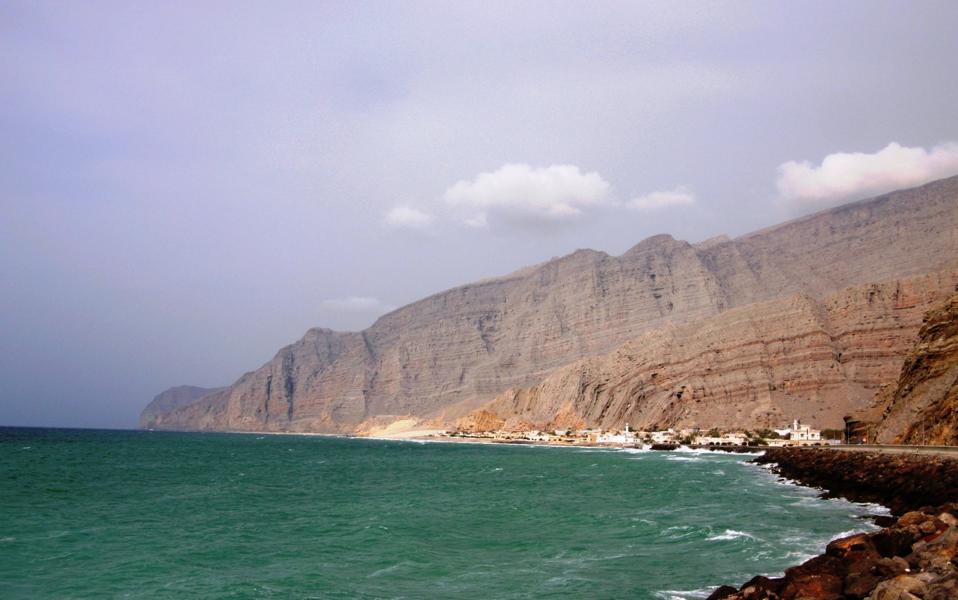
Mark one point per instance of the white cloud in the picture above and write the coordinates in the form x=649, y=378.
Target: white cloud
x=406, y=216
x=845, y=176
x=524, y=194
x=357, y=304
x=680, y=196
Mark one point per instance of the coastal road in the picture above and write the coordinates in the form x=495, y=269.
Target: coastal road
x=951, y=451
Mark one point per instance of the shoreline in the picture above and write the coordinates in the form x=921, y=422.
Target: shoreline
x=914, y=556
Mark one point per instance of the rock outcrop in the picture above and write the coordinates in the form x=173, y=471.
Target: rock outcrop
x=444, y=356
x=922, y=408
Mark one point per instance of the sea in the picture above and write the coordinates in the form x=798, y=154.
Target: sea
x=141, y=514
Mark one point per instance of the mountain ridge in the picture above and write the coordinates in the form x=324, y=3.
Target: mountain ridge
x=453, y=351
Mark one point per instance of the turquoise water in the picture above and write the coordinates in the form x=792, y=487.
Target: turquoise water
x=110, y=514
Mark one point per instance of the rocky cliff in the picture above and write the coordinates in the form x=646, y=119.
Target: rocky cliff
x=169, y=401
x=755, y=366
x=922, y=408
x=448, y=354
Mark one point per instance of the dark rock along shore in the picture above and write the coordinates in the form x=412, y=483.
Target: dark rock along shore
x=915, y=557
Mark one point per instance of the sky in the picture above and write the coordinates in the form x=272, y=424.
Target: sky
x=185, y=187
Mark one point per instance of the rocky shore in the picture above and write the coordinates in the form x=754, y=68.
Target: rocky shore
x=902, y=482
x=914, y=558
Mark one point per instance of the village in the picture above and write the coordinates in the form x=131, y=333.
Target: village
x=795, y=434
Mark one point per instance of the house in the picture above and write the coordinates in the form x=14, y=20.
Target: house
x=798, y=435
x=804, y=433
x=624, y=437
x=727, y=439
x=663, y=437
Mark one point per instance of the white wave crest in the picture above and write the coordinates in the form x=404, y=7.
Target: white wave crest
x=730, y=534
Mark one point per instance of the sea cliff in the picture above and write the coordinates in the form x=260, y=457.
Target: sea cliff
x=853, y=281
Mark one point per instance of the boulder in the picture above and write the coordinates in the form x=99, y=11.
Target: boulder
x=722, y=592
x=760, y=588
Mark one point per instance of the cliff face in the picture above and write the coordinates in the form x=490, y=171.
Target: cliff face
x=756, y=366
x=169, y=401
x=923, y=406
x=448, y=354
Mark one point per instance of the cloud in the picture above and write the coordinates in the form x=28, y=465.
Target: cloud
x=679, y=196
x=845, y=176
x=404, y=216
x=357, y=304
x=523, y=194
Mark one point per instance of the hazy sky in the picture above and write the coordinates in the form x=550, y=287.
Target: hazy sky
x=187, y=186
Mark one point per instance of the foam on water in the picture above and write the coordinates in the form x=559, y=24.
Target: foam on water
x=730, y=534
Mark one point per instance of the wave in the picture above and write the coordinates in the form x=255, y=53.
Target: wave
x=684, y=458
x=683, y=594
x=730, y=534
x=644, y=449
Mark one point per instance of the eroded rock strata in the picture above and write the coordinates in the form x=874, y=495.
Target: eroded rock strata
x=922, y=408
x=755, y=366
x=442, y=357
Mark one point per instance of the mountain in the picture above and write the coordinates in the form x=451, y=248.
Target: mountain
x=755, y=366
x=447, y=355
x=169, y=401
x=922, y=407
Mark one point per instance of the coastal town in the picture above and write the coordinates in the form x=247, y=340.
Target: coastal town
x=794, y=434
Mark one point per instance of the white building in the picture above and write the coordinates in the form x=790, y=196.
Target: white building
x=728, y=439
x=804, y=433
x=625, y=437
x=797, y=435
x=663, y=437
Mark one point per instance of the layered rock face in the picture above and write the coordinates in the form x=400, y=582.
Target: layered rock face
x=448, y=354
x=923, y=407
x=755, y=366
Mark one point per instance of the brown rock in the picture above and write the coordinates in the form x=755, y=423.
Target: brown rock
x=937, y=554
x=851, y=547
x=761, y=587
x=903, y=587
x=859, y=584
x=945, y=588
x=813, y=587
x=927, y=385
x=480, y=421
x=891, y=567
x=929, y=527
x=722, y=592
x=912, y=518
x=893, y=542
